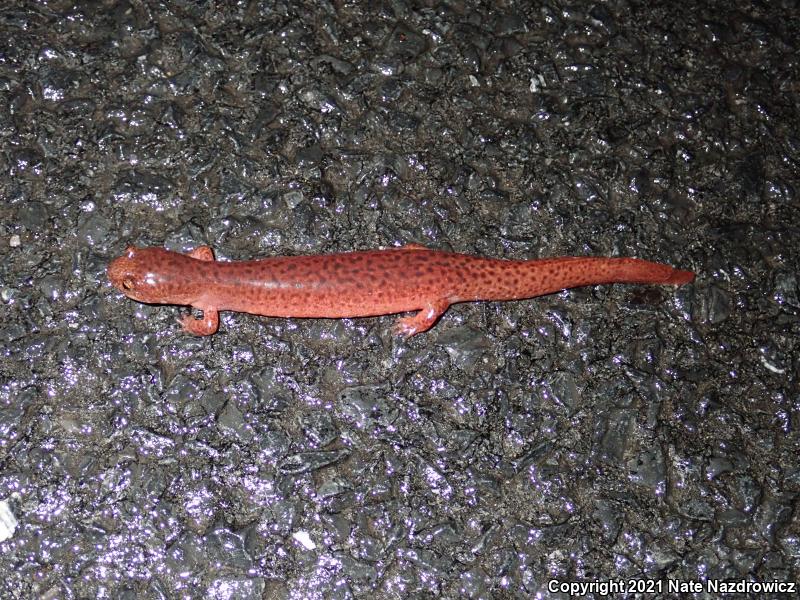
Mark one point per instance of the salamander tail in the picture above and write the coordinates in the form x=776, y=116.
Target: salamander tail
x=678, y=277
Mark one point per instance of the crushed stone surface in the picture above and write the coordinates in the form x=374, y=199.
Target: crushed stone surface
x=610, y=433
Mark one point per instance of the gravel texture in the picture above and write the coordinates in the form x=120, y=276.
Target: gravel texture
x=603, y=434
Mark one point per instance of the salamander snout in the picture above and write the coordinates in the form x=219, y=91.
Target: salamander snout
x=123, y=273
x=134, y=274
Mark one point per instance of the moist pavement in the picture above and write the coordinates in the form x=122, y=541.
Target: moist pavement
x=636, y=436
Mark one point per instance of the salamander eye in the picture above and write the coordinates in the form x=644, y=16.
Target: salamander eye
x=127, y=283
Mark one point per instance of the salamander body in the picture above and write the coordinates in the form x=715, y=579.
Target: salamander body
x=359, y=284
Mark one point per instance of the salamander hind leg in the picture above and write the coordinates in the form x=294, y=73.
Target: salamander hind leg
x=422, y=320
x=208, y=325
x=202, y=253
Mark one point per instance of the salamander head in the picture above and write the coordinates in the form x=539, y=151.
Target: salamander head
x=152, y=275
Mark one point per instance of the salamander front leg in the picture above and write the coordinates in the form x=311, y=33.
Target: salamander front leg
x=202, y=253
x=421, y=321
x=208, y=325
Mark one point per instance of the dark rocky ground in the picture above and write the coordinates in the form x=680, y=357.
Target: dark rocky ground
x=605, y=433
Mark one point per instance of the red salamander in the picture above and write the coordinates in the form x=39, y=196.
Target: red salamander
x=359, y=284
